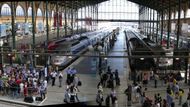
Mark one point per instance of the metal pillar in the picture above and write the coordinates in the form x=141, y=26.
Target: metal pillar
x=153, y=26
x=139, y=17
x=72, y=18
x=97, y=16
x=158, y=21
x=81, y=18
x=169, y=24
x=91, y=13
x=85, y=15
x=147, y=22
x=47, y=34
x=89, y=18
x=13, y=24
x=33, y=34
x=77, y=16
x=57, y=22
x=162, y=22
x=150, y=29
x=65, y=14
x=178, y=23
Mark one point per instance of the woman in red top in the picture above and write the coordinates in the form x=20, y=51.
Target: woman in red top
x=25, y=90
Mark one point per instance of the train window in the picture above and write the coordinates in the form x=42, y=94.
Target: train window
x=75, y=43
x=82, y=38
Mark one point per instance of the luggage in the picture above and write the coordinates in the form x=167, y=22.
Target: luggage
x=39, y=99
x=79, y=83
x=28, y=99
x=72, y=98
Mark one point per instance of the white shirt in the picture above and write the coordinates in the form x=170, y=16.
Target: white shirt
x=35, y=84
x=21, y=87
x=45, y=71
x=45, y=83
x=54, y=74
x=60, y=74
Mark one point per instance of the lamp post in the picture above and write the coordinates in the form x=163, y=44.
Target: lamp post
x=1, y=56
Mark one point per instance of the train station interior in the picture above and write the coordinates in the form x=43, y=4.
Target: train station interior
x=112, y=53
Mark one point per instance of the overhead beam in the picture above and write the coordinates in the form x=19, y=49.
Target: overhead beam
x=116, y=20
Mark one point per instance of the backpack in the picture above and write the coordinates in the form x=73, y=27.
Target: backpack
x=60, y=77
x=79, y=83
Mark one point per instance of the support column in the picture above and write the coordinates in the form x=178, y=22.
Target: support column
x=139, y=22
x=72, y=33
x=77, y=17
x=147, y=16
x=85, y=16
x=57, y=22
x=13, y=24
x=88, y=18
x=47, y=36
x=33, y=34
x=97, y=16
x=162, y=25
x=153, y=35
x=158, y=21
x=146, y=21
x=65, y=14
x=150, y=27
x=81, y=18
x=169, y=25
x=178, y=23
x=91, y=13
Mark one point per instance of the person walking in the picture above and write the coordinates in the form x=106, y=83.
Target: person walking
x=60, y=79
x=53, y=76
x=156, y=78
x=107, y=101
x=181, y=91
x=42, y=91
x=113, y=96
x=68, y=71
x=99, y=98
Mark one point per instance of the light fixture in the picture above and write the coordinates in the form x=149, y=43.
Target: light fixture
x=37, y=55
x=141, y=58
x=176, y=58
x=70, y=57
x=105, y=58
x=9, y=54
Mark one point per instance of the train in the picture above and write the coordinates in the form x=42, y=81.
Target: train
x=76, y=46
x=135, y=44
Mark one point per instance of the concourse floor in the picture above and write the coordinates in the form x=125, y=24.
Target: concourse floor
x=86, y=67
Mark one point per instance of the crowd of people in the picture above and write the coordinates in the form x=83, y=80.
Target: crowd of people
x=23, y=81
x=72, y=83
x=168, y=99
x=108, y=79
